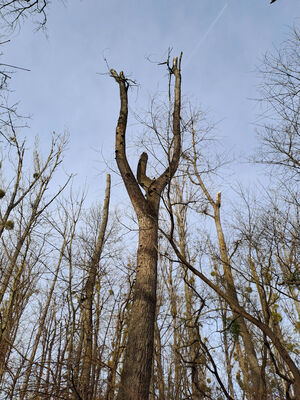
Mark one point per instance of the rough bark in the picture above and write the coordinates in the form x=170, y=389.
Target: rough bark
x=137, y=365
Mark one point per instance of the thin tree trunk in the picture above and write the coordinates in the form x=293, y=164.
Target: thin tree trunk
x=242, y=312
x=41, y=325
x=159, y=366
x=119, y=340
x=87, y=388
x=256, y=384
x=176, y=341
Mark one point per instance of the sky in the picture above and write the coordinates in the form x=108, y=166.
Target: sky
x=68, y=90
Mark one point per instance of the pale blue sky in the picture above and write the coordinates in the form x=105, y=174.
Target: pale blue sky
x=222, y=42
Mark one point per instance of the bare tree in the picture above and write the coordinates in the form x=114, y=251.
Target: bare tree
x=14, y=11
x=280, y=97
x=228, y=288
x=136, y=372
x=87, y=303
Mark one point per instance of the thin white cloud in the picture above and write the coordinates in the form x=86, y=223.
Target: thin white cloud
x=210, y=28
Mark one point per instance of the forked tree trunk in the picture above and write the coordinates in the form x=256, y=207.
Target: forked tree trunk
x=137, y=366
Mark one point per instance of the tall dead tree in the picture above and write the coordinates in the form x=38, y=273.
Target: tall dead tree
x=137, y=366
x=87, y=304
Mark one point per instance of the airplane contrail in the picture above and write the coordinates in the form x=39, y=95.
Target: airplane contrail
x=210, y=28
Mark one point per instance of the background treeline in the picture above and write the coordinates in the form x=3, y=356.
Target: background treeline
x=230, y=330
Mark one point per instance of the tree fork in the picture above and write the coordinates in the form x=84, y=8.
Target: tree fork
x=137, y=366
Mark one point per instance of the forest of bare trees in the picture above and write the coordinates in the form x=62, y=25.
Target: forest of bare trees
x=195, y=299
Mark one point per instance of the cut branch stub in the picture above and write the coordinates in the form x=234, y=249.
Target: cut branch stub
x=177, y=65
x=118, y=78
x=218, y=201
x=142, y=178
x=121, y=79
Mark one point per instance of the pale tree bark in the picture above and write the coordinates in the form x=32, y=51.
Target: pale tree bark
x=120, y=337
x=257, y=387
x=65, y=230
x=159, y=364
x=15, y=288
x=268, y=249
x=256, y=384
x=41, y=326
x=266, y=297
x=173, y=299
x=180, y=212
x=136, y=372
x=198, y=355
x=255, y=378
x=278, y=344
x=87, y=304
x=74, y=352
x=227, y=351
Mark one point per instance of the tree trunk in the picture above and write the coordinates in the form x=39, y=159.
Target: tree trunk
x=282, y=351
x=137, y=367
x=89, y=290
x=256, y=384
x=159, y=365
